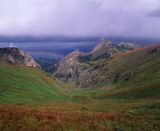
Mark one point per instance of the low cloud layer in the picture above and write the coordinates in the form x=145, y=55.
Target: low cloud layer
x=85, y=18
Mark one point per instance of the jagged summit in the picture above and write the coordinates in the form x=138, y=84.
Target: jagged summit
x=74, y=54
x=76, y=67
x=67, y=66
x=104, y=44
x=16, y=56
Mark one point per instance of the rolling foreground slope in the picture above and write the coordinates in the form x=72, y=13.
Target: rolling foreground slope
x=27, y=85
x=22, y=81
x=126, y=96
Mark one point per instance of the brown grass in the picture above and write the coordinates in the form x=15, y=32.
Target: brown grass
x=120, y=55
x=29, y=118
x=26, y=118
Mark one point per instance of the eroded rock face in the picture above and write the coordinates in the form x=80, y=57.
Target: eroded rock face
x=103, y=45
x=69, y=68
x=80, y=68
x=17, y=57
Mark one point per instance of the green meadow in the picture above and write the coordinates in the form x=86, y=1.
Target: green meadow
x=32, y=100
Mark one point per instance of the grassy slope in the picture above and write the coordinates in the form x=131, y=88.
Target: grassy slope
x=27, y=85
x=132, y=75
x=97, y=108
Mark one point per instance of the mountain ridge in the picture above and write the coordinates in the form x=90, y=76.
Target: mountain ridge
x=77, y=66
x=16, y=56
x=125, y=89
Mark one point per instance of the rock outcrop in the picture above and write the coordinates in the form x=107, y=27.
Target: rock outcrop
x=69, y=68
x=80, y=68
x=16, y=56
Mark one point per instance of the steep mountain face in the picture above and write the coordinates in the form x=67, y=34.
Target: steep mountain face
x=69, y=68
x=81, y=68
x=105, y=50
x=16, y=56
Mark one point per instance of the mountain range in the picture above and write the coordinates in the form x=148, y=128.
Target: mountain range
x=112, y=87
x=84, y=68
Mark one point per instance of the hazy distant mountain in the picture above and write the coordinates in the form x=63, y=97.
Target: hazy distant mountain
x=46, y=62
x=115, y=40
x=128, y=45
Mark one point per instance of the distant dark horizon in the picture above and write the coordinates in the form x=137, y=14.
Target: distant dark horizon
x=57, y=47
x=115, y=40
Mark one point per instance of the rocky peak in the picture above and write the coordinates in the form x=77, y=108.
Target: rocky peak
x=16, y=56
x=70, y=59
x=104, y=44
x=68, y=68
x=79, y=68
x=73, y=54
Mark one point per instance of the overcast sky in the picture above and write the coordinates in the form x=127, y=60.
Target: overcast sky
x=126, y=18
